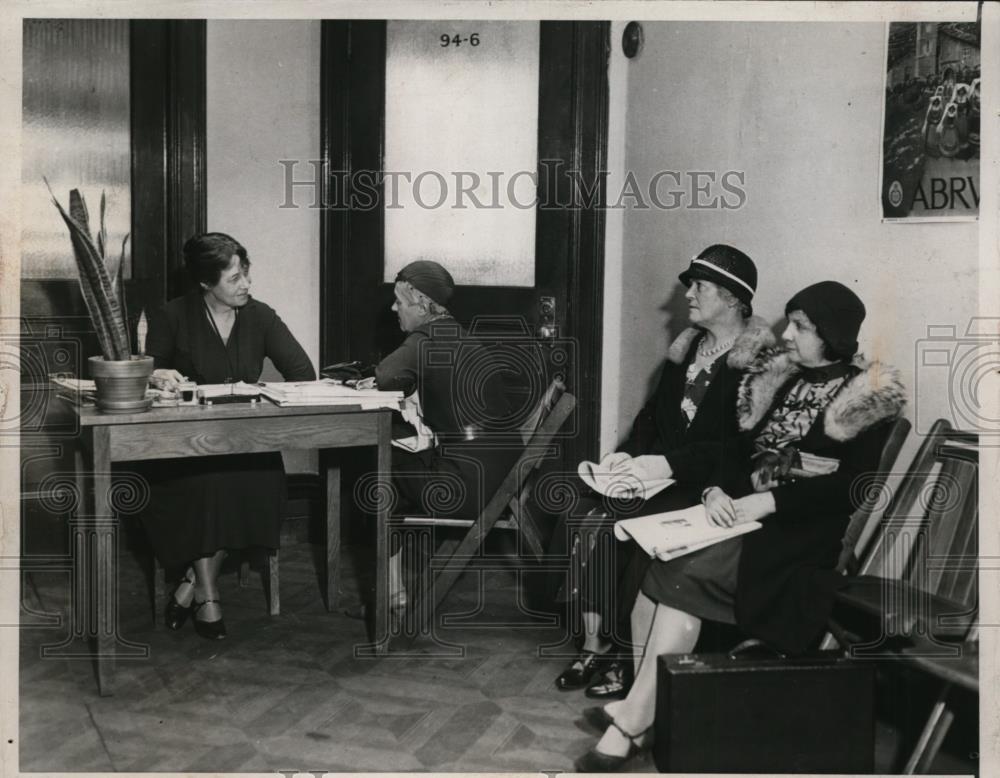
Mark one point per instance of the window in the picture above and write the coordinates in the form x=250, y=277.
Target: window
x=76, y=133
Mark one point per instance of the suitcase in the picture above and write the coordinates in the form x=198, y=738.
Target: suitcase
x=717, y=713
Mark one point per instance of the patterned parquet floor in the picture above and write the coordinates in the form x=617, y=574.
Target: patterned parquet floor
x=288, y=693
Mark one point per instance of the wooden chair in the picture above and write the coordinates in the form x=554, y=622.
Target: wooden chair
x=304, y=493
x=915, y=598
x=507, y=508
x=866, y=516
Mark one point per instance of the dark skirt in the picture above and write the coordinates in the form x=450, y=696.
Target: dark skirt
x=702, y=583
x=605, y=573
x=457, y=483
x=199, y=505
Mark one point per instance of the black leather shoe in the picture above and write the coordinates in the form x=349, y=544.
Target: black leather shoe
x=176, y=614
x=581, y=671
x=210, y=630
x=595, y=761
x=613, y=684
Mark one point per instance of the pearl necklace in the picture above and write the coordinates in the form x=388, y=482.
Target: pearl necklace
x=717, y=350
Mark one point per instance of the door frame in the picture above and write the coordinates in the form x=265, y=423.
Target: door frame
x=573, y=127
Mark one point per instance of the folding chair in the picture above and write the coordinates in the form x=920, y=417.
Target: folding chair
x=915, y=599
x=511, y=497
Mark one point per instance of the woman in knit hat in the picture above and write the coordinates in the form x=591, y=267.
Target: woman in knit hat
x=817, y=405
x=457, y=411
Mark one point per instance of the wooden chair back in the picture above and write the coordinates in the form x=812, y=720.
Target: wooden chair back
x=917, y=581
x=865, y=518
x=928, y=536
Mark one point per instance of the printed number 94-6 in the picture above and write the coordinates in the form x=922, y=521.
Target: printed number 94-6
x=458, y=40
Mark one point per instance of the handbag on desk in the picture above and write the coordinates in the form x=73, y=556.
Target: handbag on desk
x=347, y=371
x=742, y=714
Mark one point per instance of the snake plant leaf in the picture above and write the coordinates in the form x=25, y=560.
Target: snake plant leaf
x=103, y=288
x=98, y=292
x=102, y=233
x=120, y=287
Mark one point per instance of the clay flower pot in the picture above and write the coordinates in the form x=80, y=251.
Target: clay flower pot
x=121, y=384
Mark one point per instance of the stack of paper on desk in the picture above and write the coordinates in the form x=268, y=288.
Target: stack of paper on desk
x=676, y=533
x=78, y=391
x=326, y=392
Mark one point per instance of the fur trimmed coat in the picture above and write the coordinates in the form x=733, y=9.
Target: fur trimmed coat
x=787, y=576
x=661, y=427
x=694, y=450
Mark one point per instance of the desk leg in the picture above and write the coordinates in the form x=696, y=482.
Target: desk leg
x=94, y=599
x=332, y=533
x=106, y=561
x=384, y=468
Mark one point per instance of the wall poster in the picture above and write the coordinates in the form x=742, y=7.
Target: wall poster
x=930, y=130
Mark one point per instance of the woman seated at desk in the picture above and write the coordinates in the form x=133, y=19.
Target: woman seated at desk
x=202, y=506
x=816, y=398
x=465, y=459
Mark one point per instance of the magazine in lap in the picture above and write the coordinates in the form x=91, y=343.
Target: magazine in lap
x=676, y=533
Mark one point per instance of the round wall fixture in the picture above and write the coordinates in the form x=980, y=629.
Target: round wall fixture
x=632, y=39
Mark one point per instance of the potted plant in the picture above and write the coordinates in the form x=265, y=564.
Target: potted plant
x=120, y=376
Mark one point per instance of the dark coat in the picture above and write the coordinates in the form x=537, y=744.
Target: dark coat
x=661, y=427
x=438, y=360
x=787, y=576
x=693, y=451
x=467, y=409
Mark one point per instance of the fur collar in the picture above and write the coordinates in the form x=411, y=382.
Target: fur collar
x=756, y=337
x=873, y=395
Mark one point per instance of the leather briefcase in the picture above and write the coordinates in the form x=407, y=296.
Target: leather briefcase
x=719, y=713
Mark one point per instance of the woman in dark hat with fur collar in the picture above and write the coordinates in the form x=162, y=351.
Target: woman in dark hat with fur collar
x=815, y=401
x=694, y=405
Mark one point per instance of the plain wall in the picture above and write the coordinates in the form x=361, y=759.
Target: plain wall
x=263, y=106
x=263, y=81
x=797, y=108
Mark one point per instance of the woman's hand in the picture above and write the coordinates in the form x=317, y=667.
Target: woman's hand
x=364, y=384
x=719, y=508
x=166, y=380
x=754, y=507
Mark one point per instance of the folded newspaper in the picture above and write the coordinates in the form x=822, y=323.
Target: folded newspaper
x=618, y=484
x=676, y=533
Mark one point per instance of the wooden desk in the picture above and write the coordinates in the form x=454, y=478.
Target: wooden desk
x=166, y=433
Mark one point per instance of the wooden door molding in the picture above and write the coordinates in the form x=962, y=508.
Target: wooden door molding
x=169, y=194
x=573, y=120
x=573, y=128
x=352, y=138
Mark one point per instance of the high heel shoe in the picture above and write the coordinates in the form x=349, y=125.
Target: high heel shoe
x=176, y=614
x=595, y=761
x=210, y=630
